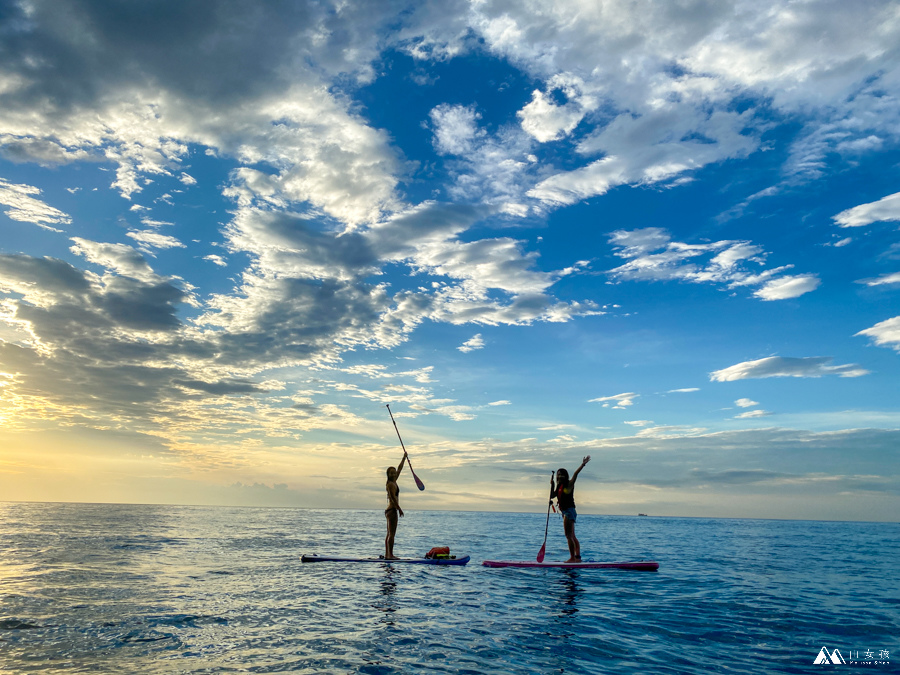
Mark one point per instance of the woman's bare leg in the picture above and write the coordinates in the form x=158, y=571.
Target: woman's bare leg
x=572, y=541
x=391, y=517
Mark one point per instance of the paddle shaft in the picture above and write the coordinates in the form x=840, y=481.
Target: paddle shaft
x=540, y=555
x=419, y=483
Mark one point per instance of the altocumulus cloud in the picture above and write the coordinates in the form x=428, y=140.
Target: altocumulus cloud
x=780, y=366
x=653, y=256
x=885, y=209
x=647, y=93
x=885, y=333
x=473, y=343
x=26, y=207
x=306, y=295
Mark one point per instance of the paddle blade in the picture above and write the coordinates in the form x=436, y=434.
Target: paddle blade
x=540, y=556
x=419, y=483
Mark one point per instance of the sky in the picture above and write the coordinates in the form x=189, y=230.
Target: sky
x=662, y=234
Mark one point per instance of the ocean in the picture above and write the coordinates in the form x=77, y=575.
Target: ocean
x=100, y=588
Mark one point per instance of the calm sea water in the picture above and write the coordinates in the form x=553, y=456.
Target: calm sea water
x=163, y=589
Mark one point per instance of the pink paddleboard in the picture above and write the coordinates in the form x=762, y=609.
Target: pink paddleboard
x=647, y=565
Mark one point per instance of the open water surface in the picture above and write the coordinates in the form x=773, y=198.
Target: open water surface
x=170, y=589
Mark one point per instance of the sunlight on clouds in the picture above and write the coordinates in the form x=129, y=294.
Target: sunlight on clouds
x=216, y=260
x=153, y=240
x=119, y=258
x=546, y=121
x=26, y=208
x=774, y=54
x=353, y=233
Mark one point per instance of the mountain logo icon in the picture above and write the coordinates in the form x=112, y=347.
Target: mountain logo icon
x=826, y=657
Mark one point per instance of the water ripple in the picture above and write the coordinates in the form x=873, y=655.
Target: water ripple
x=97, y=588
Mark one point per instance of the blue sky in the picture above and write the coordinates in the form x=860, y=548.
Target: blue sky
x=662, y=234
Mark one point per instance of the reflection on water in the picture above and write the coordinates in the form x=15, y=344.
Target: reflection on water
x=568, y=592
x=154, y=590
x=388, y=585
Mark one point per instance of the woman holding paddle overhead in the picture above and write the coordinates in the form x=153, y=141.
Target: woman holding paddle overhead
x=564, y=491
x=393, y=492
x=393, y=511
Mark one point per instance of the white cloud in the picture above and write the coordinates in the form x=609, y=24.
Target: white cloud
x=545, y=120
x=26, y=208
x=779, y=366
x=489, y=281
x=752, y=414
x=377, y=371
x=621, y=401
x=501, y=402
x=120, y=258
x=639, y=423
x=269, y=108
x=649, y=96
x=686, y=390
x=487, y=263
x=647, y=149
x=473, y=343
x=882, y=280
x=745, y=403
x=150, y=222
x=787, y=287
x=455, y=128
x=150, y=240
x=493, y=168
x=669, y=432
x=885, y=333
x=885, y=209
x=187, y=179
x=665, y=76
x=216, y=259
x=636, y=243
x=647, y=60
x=653, y=256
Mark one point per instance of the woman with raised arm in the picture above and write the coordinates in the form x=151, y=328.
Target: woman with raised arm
x=393, y=510
x=564, y=491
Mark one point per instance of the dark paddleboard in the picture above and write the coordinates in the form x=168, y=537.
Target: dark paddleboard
x=645, y=565
x=417, y=561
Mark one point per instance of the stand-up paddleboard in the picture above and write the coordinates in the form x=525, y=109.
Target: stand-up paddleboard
x=645, y=565
x=417, y=561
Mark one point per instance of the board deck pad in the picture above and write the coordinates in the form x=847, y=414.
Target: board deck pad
x=645, y=565
x=419, y=561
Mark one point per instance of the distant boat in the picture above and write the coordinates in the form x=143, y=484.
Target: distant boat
x=642, y=514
